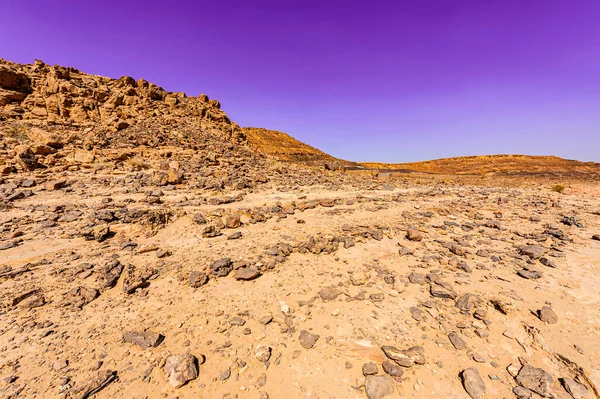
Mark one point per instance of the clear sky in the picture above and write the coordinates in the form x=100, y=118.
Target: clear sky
x=389, y=81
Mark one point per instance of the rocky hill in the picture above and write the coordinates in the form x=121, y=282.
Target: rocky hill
x=56, y=110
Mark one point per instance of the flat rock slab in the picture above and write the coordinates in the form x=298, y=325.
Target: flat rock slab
x=379, y=386
x=473, y=383
x=94, y=385
x=143, y=339
x=246, y=273
x=535, y=379
x=533, y=251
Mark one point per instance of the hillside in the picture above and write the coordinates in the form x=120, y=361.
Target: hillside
x=283, y=147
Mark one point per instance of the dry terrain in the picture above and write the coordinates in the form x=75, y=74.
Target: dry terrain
x=152, y=248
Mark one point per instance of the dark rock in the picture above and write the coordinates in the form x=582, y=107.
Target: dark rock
x=197, y=279
x=111, y=272
x=547, y=262
x=530, y=274
x=392, y=369
x=144, y=339
x=307, y=340
x=221, y=267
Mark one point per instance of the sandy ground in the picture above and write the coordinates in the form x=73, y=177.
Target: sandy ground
x=55, y=348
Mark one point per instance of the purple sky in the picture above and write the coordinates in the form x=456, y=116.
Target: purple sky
x=390, y=81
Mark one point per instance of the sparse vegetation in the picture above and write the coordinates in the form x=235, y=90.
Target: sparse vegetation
x=16, y=132
x=558, y=188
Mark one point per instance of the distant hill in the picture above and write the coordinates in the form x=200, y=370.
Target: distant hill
x=505, y=164
x=281, y=146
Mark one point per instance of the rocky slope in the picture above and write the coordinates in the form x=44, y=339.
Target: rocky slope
x=148, y=251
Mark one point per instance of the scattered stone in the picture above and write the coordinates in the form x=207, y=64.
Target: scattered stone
x=392, y=369
x=307, y=340
x=225, y=375
x=359, y=278
x=234, y=236
x=530, y=274
x=405, y=358
x=329, y=293
x=181, y=369
x=547, y=262
x=237, y=321
x=535, y=379
x=246, y=273
x=416, y=278
x=221, y=267
x=143, y=339
x=575, y=389
x=414, y=235
x=197, y=279
x=379, y=386
x=369, y=369
x=533, y=251
x=457, y=341
x=473, y=383
x=468, y=302
x=547, y=315
x=263, y=352
x=94, y=385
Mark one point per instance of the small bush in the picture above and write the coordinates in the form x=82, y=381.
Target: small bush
x=558, y=188
x=18, y=133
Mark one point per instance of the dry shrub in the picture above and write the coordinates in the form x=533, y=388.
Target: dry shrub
x=18, y=133
x=558, y=188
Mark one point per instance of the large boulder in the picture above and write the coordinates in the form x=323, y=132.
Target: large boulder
x=181, y=369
